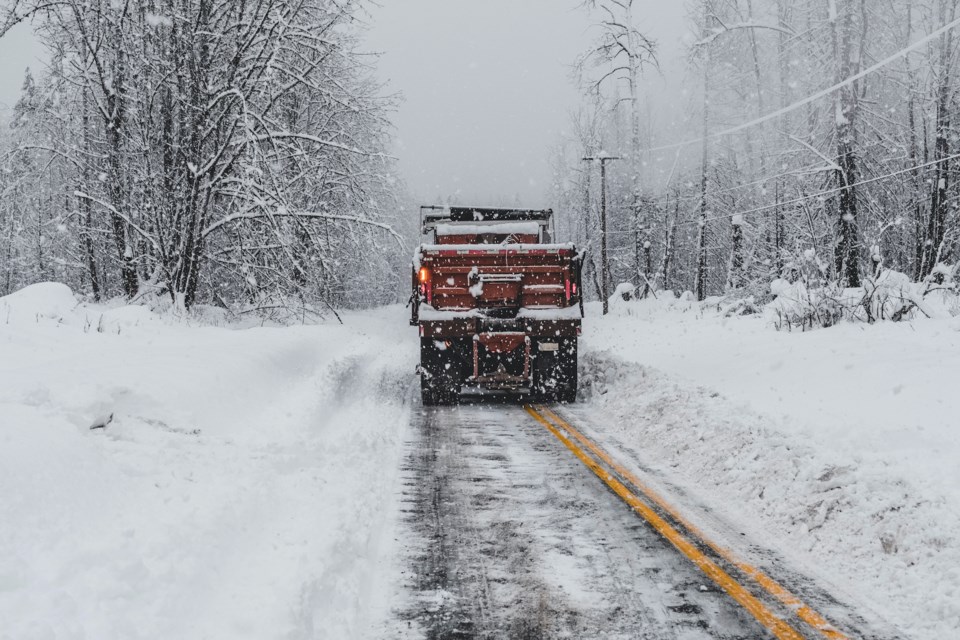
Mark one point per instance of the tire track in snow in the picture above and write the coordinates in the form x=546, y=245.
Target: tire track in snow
x=508, y=537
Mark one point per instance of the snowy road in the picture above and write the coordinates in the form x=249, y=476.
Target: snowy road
x=512, y=537
x=517, y=541
x=286, y=483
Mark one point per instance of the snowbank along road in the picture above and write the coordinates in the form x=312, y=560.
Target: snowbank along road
x=236, y=489
x=525, y=527
x=285, y=483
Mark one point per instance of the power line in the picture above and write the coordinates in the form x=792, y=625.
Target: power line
x=812, y=98
x=811, y=196
x=668, y=200
x=827, y=192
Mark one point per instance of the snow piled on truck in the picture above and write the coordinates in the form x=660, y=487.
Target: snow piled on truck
x=499, y=228
x=239, y=485
x=836, y=447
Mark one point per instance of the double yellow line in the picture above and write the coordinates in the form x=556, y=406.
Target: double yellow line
x=782, y=630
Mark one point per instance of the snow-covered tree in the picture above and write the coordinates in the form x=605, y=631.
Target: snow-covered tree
x=230, y=151
x=823, y=125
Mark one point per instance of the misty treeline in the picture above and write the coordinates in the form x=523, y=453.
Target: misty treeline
x=843, y=190
x=219, y=151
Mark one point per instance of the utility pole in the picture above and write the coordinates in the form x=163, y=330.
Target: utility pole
x=604, y=268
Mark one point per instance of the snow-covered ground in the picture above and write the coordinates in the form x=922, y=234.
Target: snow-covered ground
x=839, y=446
x=241, y=489
x=245, y=483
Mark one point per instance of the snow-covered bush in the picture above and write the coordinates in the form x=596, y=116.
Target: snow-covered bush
x=797, y=305
x=625, y=291
x=628, y=300
x=746, y=300
x=941, y=292
x=45, y=301
x=283, y=309
x=805, y=297
x=740, y=305
x=891, y=296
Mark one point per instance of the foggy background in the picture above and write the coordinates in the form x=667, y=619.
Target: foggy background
x=486, y=87
x=18, y=50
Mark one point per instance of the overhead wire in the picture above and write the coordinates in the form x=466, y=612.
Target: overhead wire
x=812, y=196
x=665, y=200
x=790, y=108
x=816, y=96
x=821, y=194
x=763, y=180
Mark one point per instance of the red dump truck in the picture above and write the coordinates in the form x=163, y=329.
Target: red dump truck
x=498, y=304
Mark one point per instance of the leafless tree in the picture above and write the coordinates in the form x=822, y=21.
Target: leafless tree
x=238, y=141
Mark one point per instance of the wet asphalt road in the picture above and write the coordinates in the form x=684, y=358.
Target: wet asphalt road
x=507, y=535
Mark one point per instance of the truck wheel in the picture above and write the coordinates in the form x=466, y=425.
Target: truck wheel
x=555, y=371
x=567, y=371
x=438, y=374
x=438, y=391
x=428, y=393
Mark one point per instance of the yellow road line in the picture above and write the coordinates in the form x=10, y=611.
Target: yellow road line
x=780, y=629
x=803, y=611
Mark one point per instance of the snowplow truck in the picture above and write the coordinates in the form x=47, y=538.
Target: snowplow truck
x=497, y=303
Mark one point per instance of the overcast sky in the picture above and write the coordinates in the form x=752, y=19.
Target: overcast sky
x=18, y=50
x=486, y=86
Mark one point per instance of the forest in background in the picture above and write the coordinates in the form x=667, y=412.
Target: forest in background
x=765, y=174
x=217, y=151
x=236, y=153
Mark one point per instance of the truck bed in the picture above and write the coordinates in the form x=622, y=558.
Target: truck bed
x=511, y=276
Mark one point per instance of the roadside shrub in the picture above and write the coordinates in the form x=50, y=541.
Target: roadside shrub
x=806, y=299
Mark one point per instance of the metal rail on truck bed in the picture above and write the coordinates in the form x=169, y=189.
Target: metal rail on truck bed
x=485, y=225
x=433, y=214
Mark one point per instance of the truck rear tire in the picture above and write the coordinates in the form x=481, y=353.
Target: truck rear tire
x=438, y=374
x=555, y=372
x=433, y=394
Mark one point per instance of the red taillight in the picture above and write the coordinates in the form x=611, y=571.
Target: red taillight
x=567, y=288
x=425, y=289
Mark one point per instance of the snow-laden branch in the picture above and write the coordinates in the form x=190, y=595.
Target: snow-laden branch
x=109, y=207
x=722, y=29
x=284, y=213
x=278, y=122
x=280, y=135
x=831, y=163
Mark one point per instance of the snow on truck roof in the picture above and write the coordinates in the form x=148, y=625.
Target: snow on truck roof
x=474, y=228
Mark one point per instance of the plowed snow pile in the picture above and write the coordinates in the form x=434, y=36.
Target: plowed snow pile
x=238, y=488
x=839, y=446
